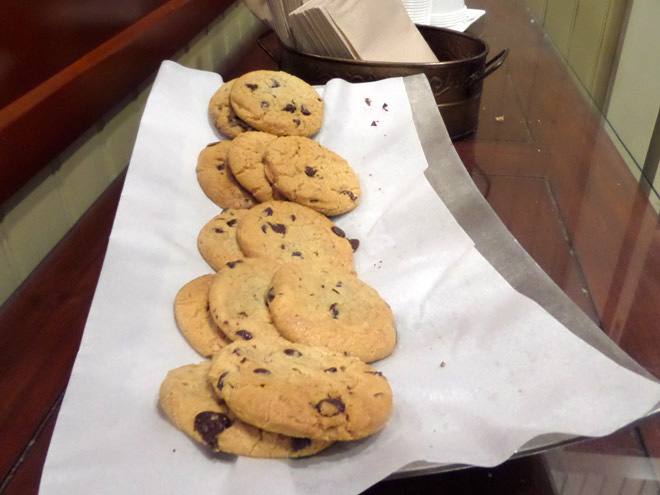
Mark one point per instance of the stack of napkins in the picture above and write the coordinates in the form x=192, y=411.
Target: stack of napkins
x=369, y=30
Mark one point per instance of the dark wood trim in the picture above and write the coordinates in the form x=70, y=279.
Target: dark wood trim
x=40, y=124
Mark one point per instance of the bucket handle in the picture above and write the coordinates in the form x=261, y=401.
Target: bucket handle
x=491, y=66
x=262, y=45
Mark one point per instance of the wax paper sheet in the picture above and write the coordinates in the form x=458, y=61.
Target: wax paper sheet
x=479, y=368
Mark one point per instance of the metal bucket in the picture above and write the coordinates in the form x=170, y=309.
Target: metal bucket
x=456, y=80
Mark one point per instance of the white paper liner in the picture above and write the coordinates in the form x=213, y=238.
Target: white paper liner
x=511, y=371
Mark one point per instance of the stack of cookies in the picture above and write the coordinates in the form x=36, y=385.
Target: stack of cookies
x=286, y=323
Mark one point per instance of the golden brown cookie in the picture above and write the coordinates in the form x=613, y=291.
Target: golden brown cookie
x=246, y=163
x=278, y=103
x=321, y=305
x=222, y=114
x=216, y=179
x=217, y=240
x=192, y=315
x=301, y=391
x=310, y=174
x=190, y=404
x=237, y=298
x=287, y=232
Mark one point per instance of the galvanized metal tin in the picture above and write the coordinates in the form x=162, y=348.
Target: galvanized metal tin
x=456, y=80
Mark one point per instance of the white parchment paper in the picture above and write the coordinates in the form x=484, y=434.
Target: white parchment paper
x=479, y=369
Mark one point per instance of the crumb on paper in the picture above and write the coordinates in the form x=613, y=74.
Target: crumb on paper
x=374, y=123
x=385, y=107
x=367, y=101
x=500, y=118
x=443, y=364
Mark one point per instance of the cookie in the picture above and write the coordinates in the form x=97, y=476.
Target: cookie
x=301, y=391
x=190, y=404
x=278, y=103
x=217, y=239
x=237, y=298
x=246, y=163
x=321, y=305
x=216, y=179
x=192, y=315
x=287, y=231
x=310, y=174
x=222, y=114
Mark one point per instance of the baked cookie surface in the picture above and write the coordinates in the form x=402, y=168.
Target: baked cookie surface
x=287, y=232
x=246, y=163
x=321, y=305
x=278, y=103
x=216, y=179
x=310, y=174
x=237, y=299
x=301, y=391
x=190, y=404
x=217, y=239
x=192, y=315
x=222, y=114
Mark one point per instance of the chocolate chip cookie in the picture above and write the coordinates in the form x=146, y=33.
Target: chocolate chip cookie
x=216, y=179
x=286, y=231
x=217, y=239
x=278, y=103
x=190, y=404
x=301, y=391
x=222, y=114
x=310, y=174
x=246, y=163
x=237, y=299
x=321, y=305
x=192, y=315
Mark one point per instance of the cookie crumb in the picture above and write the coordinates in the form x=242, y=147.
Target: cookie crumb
x=385, y=107
x=442, y=364
x=373, y=123
x=367, y=101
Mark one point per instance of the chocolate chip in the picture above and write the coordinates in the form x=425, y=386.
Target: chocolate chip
x=330, y=407
x=282, y=246
x=293, y=218
x=252, y=86
x=220, y=167
x=278, y=228
x=331, y=370
x=243, y=314
x=265, y=104
x=292, y=352
x=220, y=384
x=232, y=264
x=270, y=295
x=349, y=194
x=310, y=171
x=304, y=111
x=218, y=231
x=355, y=243
x=297, y=122
x=243, y=360
x=373, y=123
x=296, y=253
x=244, y=334
x=209, y=425
x=377, y=373
x=268, y=211
x=236, y=351
x=338, y=284
x=338, y=231
x=334, y=310
x=367, y=101
x=232, y=222
x=313, y=200
x=262, y=371
x=264, y=229
x=335, y=291
x=274, y=83
x=300, y=443
x=290, y=107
